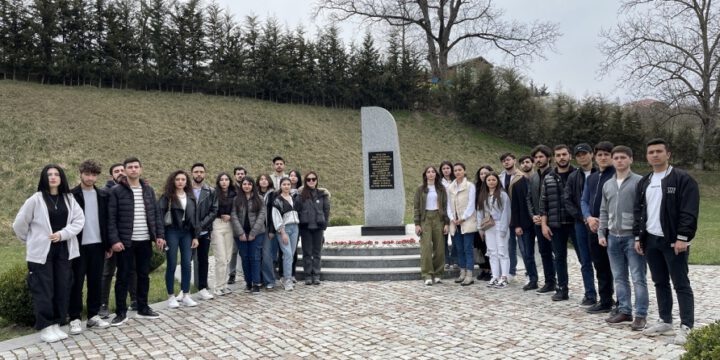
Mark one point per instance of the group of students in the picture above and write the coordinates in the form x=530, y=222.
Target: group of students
x=86, y=232
x=620, y=223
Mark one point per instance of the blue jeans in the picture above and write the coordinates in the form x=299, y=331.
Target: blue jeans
x=546, y=255
x=250, y=254
x=450, y=253
x=464, y=244
x=559, y=248
x=527, y=249
x=178, y=239
x=269, y=247
x=621, y=250
x=581, y=243
x=512, y=252
x=293, y=231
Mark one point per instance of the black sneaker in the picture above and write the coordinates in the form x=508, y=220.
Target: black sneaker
x=148, y=313
x=248, y=288
x=308, y=281
x=104, y=312
x=486, y=276
x=599, y=308
x=530, y=286
x=586, y=301
x=133, y=306
x=316, y=280
x=547, y=288
x=560, y=295
x=231, y=279
x=255, y=290
x=118, y=320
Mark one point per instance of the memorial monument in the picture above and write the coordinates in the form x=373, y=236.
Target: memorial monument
x=382, y=174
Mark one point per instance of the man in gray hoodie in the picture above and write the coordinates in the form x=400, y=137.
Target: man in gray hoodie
x=616, y=233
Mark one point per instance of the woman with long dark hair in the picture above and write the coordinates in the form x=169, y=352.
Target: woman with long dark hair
x=295, y=183
x=222, y=238
x=181, y=232
x=314, y=219
x=248, y=223
x=48, y=223
x=286, y=219
x=431, y=224
x=461, y=211
x=446, y=178
x=479, y=242
x=270, y=249
x=494, y=203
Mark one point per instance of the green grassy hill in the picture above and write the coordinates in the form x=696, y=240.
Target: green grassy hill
x=65, y=125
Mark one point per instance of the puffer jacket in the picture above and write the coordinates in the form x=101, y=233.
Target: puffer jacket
x=257, y=217
x=189, y=214
x=573, y=193
x=616, y=208
x=121, y=213
x=551, y=200
x=315, y=210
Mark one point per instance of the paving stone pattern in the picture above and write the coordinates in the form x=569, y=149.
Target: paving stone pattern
x=382, y=320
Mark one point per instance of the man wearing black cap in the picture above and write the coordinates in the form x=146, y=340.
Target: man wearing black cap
x=573, y=193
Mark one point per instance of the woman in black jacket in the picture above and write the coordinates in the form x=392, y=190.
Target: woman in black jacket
x=181, y=231
x=248, y=223
x=314, y=218
x=222, y=237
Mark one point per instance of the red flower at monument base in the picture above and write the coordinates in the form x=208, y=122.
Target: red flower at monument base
x=369, y=243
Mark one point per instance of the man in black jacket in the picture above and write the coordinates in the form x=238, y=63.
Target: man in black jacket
x=93, y=246
x=573, y=193
x=206, y=211
x=522, y=226
x=666, y=212
x=557, y=224
x=541, y=154
x=133, y=224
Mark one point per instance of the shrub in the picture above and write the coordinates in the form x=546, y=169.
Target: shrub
x=15, y=299
x=340, y=221
x=158, y=258
x=703, y=343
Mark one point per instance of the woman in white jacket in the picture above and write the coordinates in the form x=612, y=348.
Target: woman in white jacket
x=494, y=203
x=48, y=224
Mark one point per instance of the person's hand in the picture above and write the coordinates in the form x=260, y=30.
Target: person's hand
x=445, y=229
x=418, y=230
x=482, y=235
x=547, y=233
x=55, y=237
x=285, y=238
x=243, y=237
x=638, y=248
x=160, y=244
x=118, y=247
x=225, y=218
x=194, y=243
x=519, y=231
x=593, y=223
x=108, y=254
x=681, y=246
x=602, y=242
x=271, y=236
x=251, y=238
x=537, y=220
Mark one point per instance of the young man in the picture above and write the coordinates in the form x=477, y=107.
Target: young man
x=590, y=206
x=521, y=225
x=93, y=246
x=526, y=164
x=557, y=224
x=133, y=225
x=573, y=194
x=116, y=171
x=666, y=212
x=279, y=166
x=233, y=267
x=206, y=211
x=541, y=154
x=508, y=178
x=616, y=233
x=239, y=173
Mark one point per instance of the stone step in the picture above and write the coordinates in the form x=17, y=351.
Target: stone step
x=372, y=274
x=367, y=251
x=369, y=261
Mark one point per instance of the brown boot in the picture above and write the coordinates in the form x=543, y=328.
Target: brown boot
x=461, y=277
x=468, y=278
x=619, y=318
x=638, y=324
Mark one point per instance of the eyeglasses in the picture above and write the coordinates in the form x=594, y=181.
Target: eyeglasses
x=311, y=179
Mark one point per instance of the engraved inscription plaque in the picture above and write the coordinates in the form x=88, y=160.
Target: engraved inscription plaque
x=382, y=174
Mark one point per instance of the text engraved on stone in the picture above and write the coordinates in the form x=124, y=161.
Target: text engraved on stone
x=381, y=170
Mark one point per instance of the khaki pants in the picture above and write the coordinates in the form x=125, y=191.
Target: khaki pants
x=432, y=246
x=222, y=242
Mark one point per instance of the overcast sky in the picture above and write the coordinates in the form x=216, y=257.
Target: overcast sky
x=572, y=69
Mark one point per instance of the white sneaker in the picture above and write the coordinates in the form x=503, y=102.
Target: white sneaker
x=289, y=285
x=218, y=292
x=437, y=280
x=682, y=334
x=205, y=295
x=172, y=302
x=660, y=328
x=75, y=327
x=227, y=291
x=188, y=301
x=97, y=321
x=428, y=282
x=48, y=334
x=60, y=334
x=294, y=280
x=492, y=282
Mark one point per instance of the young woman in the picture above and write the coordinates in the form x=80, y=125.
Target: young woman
x=461, y=211
x=222, y=234
x=48, y=223
x=479, y=242
x=248, y=223
x=181, y=233
x=446, y=170
x=494, y=202
x=431, y=224
x=270, y=245
x=296, y=183
x=314, y=219
x=285, y=217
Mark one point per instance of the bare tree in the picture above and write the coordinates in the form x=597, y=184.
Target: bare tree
x=670, y=49
x=446, y=24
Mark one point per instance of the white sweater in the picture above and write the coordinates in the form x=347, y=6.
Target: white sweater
x=32, y=226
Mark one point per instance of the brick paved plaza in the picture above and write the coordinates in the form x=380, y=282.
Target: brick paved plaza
x=379, y=320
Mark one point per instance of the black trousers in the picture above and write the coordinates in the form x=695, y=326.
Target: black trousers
x=603, y=273
x=312, y=243
x=90, y=264
x=201, y=254
x=108, y=272
x=481, y=245
x=665, y=266
x=139, y=254
x=49, y=285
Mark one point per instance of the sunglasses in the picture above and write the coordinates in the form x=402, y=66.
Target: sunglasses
x=311, y=179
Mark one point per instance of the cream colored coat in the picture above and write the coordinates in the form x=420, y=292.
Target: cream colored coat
x=461, y=205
